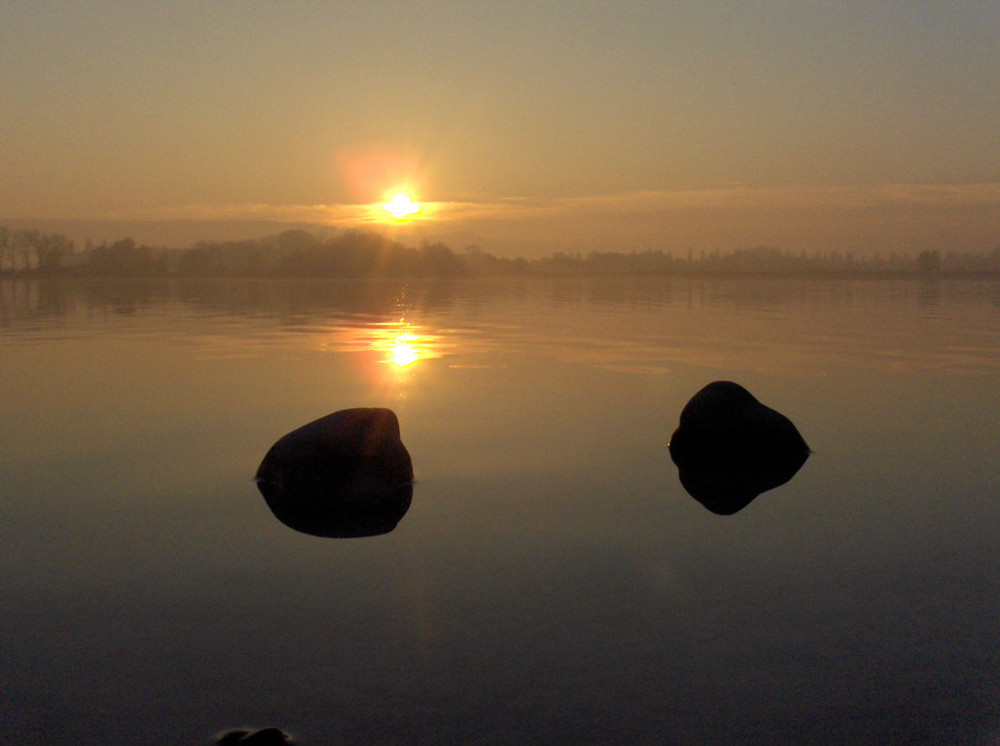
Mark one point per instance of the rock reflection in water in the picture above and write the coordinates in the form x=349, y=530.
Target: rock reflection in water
x=344, y=475
x=729, y=448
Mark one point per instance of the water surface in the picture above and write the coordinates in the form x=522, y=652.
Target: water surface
x=551, y=581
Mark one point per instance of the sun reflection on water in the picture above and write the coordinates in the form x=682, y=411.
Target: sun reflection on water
x=404, y=351
x=401, y=344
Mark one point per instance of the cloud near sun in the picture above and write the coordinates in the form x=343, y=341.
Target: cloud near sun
x=736, y=199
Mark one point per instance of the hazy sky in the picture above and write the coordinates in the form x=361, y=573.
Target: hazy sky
x=524, y=125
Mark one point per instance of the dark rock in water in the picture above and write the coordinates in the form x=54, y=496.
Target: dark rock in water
x=262, y=737
x=729, y=448
x=344, y=475
x=349, y=445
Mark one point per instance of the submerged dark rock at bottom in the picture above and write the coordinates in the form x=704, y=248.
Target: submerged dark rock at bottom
x=262, y=737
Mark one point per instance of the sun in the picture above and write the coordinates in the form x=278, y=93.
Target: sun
x=400, y=206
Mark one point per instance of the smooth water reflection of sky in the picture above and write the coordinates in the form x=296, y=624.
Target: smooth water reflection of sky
x=551, y=581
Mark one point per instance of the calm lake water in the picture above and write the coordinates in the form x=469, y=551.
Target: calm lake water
x=552, y=582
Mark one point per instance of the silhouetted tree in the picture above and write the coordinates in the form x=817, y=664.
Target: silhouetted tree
x=126, y=258
x=928, y=262
x=440, y=261
x=52, y=248
x=6, y=255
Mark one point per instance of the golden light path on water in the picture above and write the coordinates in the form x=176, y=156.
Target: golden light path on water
x=404, y=351
x=393, y=347
x=401, y=344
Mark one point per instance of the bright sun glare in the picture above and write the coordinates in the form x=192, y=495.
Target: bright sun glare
x=400, y=344
x=403, y=352
x=400, y=206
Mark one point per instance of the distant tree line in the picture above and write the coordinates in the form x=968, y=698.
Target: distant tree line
x=27, y=250
x=361, y=254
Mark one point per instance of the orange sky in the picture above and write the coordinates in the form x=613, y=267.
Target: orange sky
x=522, y=127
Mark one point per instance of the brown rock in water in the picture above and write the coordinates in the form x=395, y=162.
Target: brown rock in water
x=729, y=448
x=344, y=475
